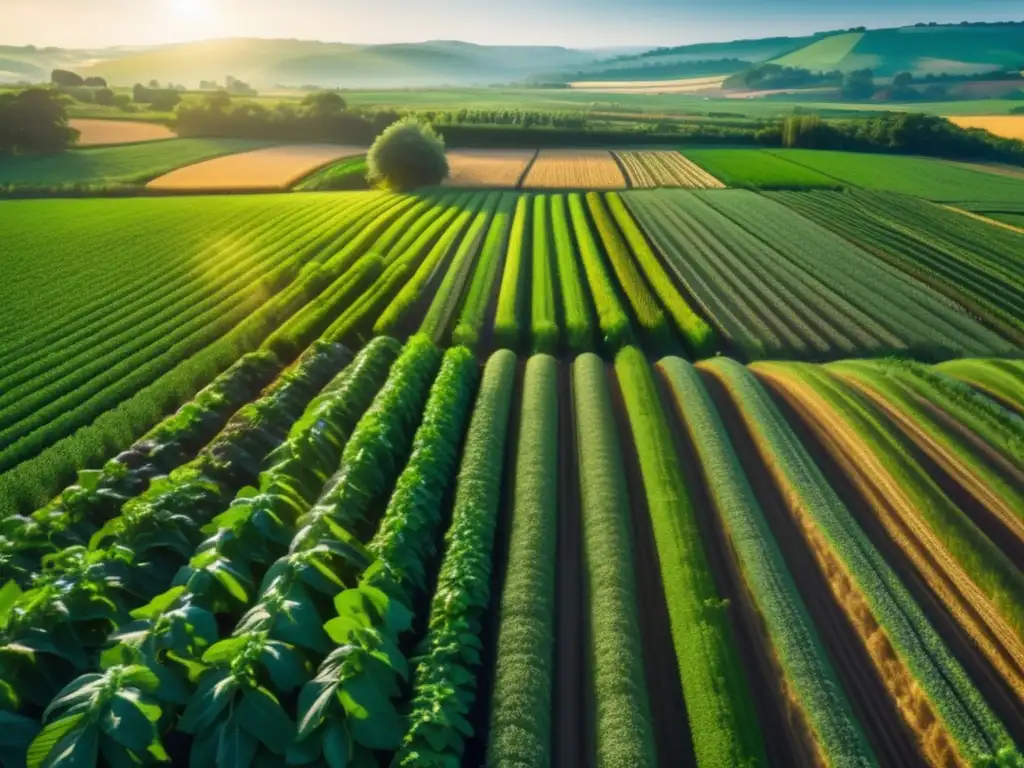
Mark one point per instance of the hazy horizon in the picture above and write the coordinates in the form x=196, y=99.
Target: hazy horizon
x=569, y=23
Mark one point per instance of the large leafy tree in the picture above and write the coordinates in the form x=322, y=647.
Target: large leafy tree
x=34, y=120
x=408, y=154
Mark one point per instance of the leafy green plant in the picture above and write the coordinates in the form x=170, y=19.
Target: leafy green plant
x=576, y=307
x=444, y=680
x=512, y=296
x=406, y=155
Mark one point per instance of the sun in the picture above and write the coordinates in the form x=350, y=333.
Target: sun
x=191, y=10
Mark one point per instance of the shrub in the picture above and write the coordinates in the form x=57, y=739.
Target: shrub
x=407, y=155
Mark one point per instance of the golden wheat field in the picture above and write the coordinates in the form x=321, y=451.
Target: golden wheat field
x=488, y=167
x=574, y=169
x=268, y=168
x=650, y=87
x=647, y=170
x=1007, y=126
x=99, y=133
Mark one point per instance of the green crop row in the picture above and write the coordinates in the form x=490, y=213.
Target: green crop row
x=72, y=517
x=544, y=280
x=611, y=315
x=645, y=307
x=88, y=592
x=445, y=676
x=445, y=306
x=1000, y=379
x=699, y=336
x=873, y=586
x=512, y=296
x=481, y=288
x=920, y=399
x=808, y=677
x=623, y=730
x=333, y=708
x=718, y=703
x=176, y=633
x=982, y=279
x=521, y=704
x=994, y=574
x=440, y=245
x=283, y=634
x=576, y=312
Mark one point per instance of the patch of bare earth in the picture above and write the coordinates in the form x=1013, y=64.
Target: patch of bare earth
x=103, y=133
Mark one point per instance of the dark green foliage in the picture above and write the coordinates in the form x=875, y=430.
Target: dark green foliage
x=445, y=677
x=34, y=121
x=407, y=155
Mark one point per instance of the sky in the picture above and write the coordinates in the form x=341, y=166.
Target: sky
x=573, y=23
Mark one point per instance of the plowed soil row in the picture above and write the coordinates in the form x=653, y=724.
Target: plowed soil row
x=1000, y=697
x=892, y=742
x=664, y=687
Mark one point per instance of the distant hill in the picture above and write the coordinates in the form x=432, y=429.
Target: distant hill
x=266, y=63
x=921, y=50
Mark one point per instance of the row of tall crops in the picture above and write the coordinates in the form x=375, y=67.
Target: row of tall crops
x=369, y=558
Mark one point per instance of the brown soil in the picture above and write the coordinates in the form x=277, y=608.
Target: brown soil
x=940, y=570
x=999, y=696
x=986, y=508
x=664, y=687
x=785, y=737
x=892, y=741
x=573, y=711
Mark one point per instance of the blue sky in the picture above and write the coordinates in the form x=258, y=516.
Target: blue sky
x=576, y=23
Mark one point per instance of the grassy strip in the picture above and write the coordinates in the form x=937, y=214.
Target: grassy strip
x=312, y=320
x=718, y=702
x=444, y=681
x=579, y=329
x=512, y=295
x=903, y=387
x=521, y=715
x=449, y=295
x=544, y=331
x=992, y=377
x=699, y=336
x=411, y=292
x=478, y=299
x=611, y=315
x=910, y=485
x=645, y=306
x=347, y=174
x=623, y=729
x=809, y=680
x=897, y=622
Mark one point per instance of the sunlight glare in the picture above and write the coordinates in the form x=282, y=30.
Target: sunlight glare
x=191, y=10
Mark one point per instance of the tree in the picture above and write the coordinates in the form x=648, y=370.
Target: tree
x=407, y=155
x=859, y=85
x=154, y=84
x=34, y=120
x=62, y=78
x=104, y=97
x=96, y=82
x=164, y=101
x=324, y=103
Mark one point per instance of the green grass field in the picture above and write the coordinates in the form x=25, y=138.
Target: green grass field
x=917, y=176
x=758, y=169
x=103, y=166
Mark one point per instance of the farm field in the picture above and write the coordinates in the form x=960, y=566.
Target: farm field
x=388, y=465
x=97, y=133
x=270, y=168
x=664, y=169
x=917, y=176
x=488, y=167
x=131, y=164
x=574, y=169
x=1007, y=126
x=758, y=169
x=486, y=476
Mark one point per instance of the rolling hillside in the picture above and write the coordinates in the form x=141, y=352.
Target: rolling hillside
x=266, y=63
x=958, y=50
